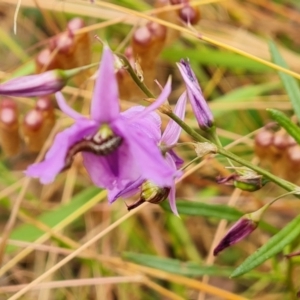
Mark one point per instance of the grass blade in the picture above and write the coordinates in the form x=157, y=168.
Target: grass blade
x=289, y=83
x=286, y=123
x=271, y=248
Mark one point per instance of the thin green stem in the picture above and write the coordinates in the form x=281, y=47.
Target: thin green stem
x=199, y=138
x=134, y=76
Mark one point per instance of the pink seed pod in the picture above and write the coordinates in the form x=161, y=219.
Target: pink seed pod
x=9, y=128
x=45, y=61
x=189, y=14
x=45, y=106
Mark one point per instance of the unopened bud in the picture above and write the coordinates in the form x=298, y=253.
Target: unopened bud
x=245, y=179
x=150, y=193
x=241, y=229
x=40, y=84
x=9, y=128
x=32, y=128
x=200, y=108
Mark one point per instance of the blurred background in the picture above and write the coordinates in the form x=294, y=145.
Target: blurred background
x=152, y=254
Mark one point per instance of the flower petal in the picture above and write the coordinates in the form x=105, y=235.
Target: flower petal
x=159, y=101
x=150, y=124
x=201, y=110
x=173, y=130
x=131, y=189
x=172, y=196
x=65, y=108
x=105, y=102
x=54, y=160
x=177, y=160
x=151, y=163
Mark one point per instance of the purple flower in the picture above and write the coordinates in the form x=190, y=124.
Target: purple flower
x=200, y=108
x=117, y=148
x=149, y=191
x=39, y=84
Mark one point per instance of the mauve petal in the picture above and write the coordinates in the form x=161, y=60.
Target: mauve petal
x=65, y=108
x=177, y=160
x=151, y=163
x=54, y=160
x=149, y=125
x=105, y=102
x=173, y=130
x=158, y=102
x=172, y=200
x=129, y=190
x=172, y=194
x=200, y=107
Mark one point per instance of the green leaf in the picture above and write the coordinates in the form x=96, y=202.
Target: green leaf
x=286, y=123
x=205, y=210
x=189, y=268
x=213, y=57
x=218, y=211
x=290, y=83
x=271, y=248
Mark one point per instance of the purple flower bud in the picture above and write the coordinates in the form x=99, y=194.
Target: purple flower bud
x=242, y=228
x=39, y=84
x=201, y=110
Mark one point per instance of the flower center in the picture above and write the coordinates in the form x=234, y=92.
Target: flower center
x=103, y=143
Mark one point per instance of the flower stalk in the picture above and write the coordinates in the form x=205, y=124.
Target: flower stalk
x=220, y=150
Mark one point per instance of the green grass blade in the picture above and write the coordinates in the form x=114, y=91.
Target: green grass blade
x=30, y=233
x=273, y=246
x=290, y=84
x=188, y=268
x=286, y=123
x=217, y=211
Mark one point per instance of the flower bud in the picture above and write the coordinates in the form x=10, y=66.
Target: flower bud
x=9, y=128
x=150, y=193
x=39, y=84
x=241, y=229
x=249, y=184
x=245, y=179
x=200, y=108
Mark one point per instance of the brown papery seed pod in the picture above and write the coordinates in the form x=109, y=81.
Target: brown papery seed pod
x=263, y=141
x=147, y=42
x=127, y=87
x=170, y=16
x=292, y=163
x=280, y=143
x=189, y=14
x=46, y=61
x=82, y=43
x=32, y=128
x=9, y=128
x=45, y=106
